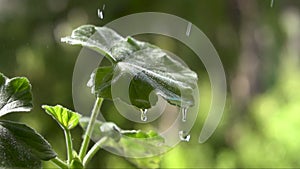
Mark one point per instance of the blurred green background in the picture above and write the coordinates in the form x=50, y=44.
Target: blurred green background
x=259, y=46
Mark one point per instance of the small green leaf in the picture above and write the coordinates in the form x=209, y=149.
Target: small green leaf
x=22, y=147
x=132, y=143
x=15, y=95
x=66, y=118
x=150, y=67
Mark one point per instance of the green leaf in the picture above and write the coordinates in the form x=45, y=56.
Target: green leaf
x=132, y=143
x=15, y=95
x=66, y=118
x=22, y=147
x=102, y=129
x=100, y=81
x=149, y=67
x=150, y=162
x=101, y=39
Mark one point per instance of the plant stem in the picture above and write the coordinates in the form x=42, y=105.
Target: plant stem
x=88, y=132
x=57, y=161
x=93, y=150
x=69, y=145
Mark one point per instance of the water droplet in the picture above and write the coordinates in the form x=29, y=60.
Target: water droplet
x=272, y=3
x=188, y=29
x=184, y=113
x=100, y=14
x=144, y=114
x=183, y=136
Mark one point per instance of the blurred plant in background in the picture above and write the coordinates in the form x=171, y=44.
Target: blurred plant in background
x=258, y=45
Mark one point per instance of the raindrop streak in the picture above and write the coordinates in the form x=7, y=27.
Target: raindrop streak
x=100, y=12
x=183, y=113
x=188, y=29
x=144, y=114
x=184, y=137
x=272, y=3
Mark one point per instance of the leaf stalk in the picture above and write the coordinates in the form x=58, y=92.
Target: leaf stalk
x=69, y=145
x=88, y=132
x=94, y=150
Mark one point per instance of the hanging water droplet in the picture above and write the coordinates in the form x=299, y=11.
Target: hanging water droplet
x=144, y=114
x=183, y=136
x=184, y=113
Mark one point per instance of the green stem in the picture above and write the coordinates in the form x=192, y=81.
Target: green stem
x=57, y=161
x=69, y=145
x=88, y=132
x=93, y=150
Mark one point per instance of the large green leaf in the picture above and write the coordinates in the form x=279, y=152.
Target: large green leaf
x=149, y=67
x=103, y=39
x=15, y=95
x=130, y=143
x=22, y=147
x=66, y=118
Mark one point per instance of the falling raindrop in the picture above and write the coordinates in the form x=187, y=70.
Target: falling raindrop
x=100, y=12
x=272, y=3
x=188, y=29
x=144, y=114
x=184, y=113
x=183, y=136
